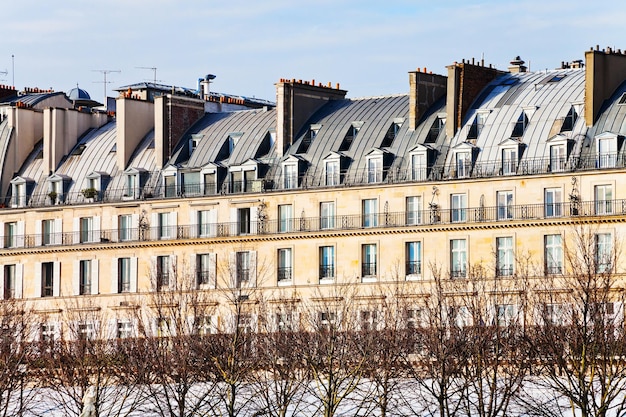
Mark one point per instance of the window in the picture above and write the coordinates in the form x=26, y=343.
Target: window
x=368, y=260
x=210, y=183
x=368, y=319
x=458, y=258
x=131, y=186
x=47, y=279
x=86, y=331
x=9, y=282
x=243, y=220
x=553, y=202
x=607, y=153
x=327, y=215
x=203, y=325
x=327, y=319
x=463, y=164
x=170, y=185
x=458, y=203
x=553, y=254
x=86, y=230
x=242, y=269
x=418, y=166
x=370, y=212
x=284, y=265
x=290, y=176
x=506, y=314
x=124, y=225
x=351, y=134
x=555, y=314
x=570, y=119
x=165, y=228
x=124, y=329
x=505, y=205
x=604, y=252
x=391, y=134
x=48, y=237
x=520, y=126
x=331, y=173
x=413, y=210
x=47, y=332
x=476, y=126
x=504, y=254
x=413, y=258
x=285, y=216
x=435, y=129
x=327, y=262
x=604, y=199
x=284, y=321
x=163, y=267
x=374, y=170
x=415, y=317
x=509, y=161
x=123, y=275
x=205, y=228
x=190, y=183
x=84, y=278
x=557, y=158
x=10, y=235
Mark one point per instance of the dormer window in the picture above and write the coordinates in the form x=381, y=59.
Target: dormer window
x=132, y=183
x=56, y=188
x=20, y=189
x=210, y=177
x=332, y=169
x=477, y=125
x=419, y=163
x=308, y=138
x=350, y=136
x=463, y=163
x=290, y=176
x=170, y=175
x=435, y=130
x=559, y=149
x=570, y=119
x=95, y=185
x=606, y=150
x=193, y=142
x=190, y=183
x=622, y=99
x=392, y=133
x=520, y=126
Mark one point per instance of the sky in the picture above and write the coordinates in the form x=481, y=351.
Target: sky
x=368, y=47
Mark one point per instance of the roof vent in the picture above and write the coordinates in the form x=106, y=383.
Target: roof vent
x=517, y=65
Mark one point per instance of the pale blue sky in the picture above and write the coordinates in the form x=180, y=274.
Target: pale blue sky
x=366, y=46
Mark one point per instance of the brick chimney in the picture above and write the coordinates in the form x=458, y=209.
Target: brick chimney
x=296, y=102
x=605, y=70
x=425, y=89
x=465, y=82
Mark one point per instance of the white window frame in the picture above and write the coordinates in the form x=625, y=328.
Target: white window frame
x=327, y=263
x=369, y=210
x=458, y=208
x=374, y=169
x=505, y=204
x=458, y=258
x=413, y=256
x=509, y=160
x=419, y=166
x=285, y=218
x=413, y=210
x=327, y=215
x=290, y=176
x=553, y=202
x=603, y=199
x=285, y=265
x=553, y=254
x=369, y=262
x=603, y=252
x=505, y=256
x=332, y=172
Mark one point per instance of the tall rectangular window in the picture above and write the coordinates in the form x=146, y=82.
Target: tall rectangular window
x=413, y=258
x=124, y=225
x=374, y=170
x=162, y=272
x=10, y=234
x=203, y=269
x=458, y=258
x=327, y=215
x=285, y=216
x=331, y=173
x=327, y=262
x=557, y=158
x=131, y=186
x=504, y=254
x=413, y=210
x=463, y=164
x=368, y=260
x=86, y=229
x=84, y=277
x=505, y=205
x=604, y=252
x=243, y=220
x=458, y=204
x=124, y=329
x=369, y=210
x=9, y=282
x=553, y=202
x=604, y=199
x=290, y=176
x=204, y=223
x=418, y=166
x=607, y=153
x=123, y=275
x=170, y=186
x=506, y=314
x=165, y=228
x=284, y=265
x=553, y=254
x=47, y=279
x=509, y=161
x=47, y=232
x=243, y=268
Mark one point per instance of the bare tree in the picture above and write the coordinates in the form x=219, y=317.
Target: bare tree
x=16, y=379
x=580, y=337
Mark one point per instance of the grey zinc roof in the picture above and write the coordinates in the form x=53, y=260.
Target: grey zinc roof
x=31, y=99
x=543, y=102
x=612, y=119
x=213, y=130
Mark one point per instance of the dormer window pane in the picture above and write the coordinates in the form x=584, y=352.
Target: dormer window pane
x=509, y=161
x=290, y=176
x=463, y=164
x=607, y=153
x=331, y=172
x=557, y=158
x=374, y=170
x=520, y=126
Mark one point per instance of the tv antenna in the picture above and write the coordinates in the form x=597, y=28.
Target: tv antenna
x=104, y=72
x=154, y=70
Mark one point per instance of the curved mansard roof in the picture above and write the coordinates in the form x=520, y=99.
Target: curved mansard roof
x=612, y=119
x=543, y=97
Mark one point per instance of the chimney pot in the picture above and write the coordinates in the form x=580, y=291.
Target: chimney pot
x=425, y=70
x=337, y=86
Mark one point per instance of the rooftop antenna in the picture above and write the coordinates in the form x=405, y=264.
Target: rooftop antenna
x=13, y=70
x=105, y=82
x=154, y=69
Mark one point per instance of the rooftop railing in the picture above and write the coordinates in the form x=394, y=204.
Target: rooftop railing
x=434, y=215
x=317, y=178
